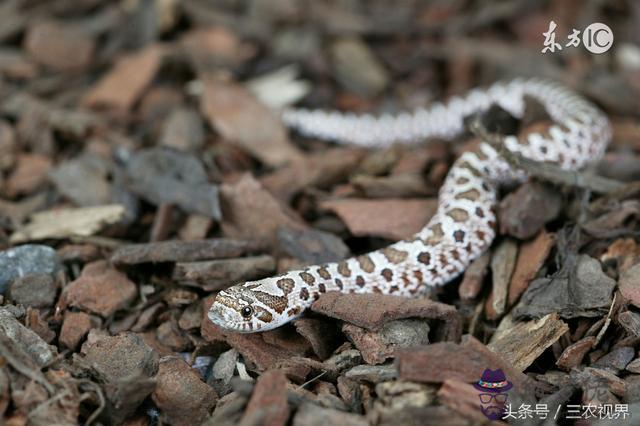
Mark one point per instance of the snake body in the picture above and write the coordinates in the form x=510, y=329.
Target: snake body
x=464, y=224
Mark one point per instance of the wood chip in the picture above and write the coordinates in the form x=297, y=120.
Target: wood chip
x=65, y=223
x=401, y=218
x=241, y=119
x=523, y=343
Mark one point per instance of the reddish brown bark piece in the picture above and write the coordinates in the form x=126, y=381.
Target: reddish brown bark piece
x=377, y=346
x=101, y=289
x=463, y=398
x=465, y=362
x=58, y=46
x=126, y=366
x=251, y=212
x=211, y=47
x=268, y=403
x=180, y=251
x=572, y=355
x=240, y=118
x=372, y=311
x=321, y=169
x=181, y=394
x=401, y=218
x=75, y=327
x=531, y=257
x=321, y=335
x=473, y=277
x=524, y=212
x=629, y=284
x=29, y=174
x=126, y=81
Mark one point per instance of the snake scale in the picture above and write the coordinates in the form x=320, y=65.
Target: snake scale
x=464, y=224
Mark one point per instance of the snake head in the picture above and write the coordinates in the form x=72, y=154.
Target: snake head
x=247, y=308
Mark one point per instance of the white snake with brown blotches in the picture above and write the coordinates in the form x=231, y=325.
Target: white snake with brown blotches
x=464, y=224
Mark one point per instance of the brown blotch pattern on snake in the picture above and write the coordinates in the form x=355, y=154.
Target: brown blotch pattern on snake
x=343, y=269
x=424, y=257
x=387, y=274
x=322, y=271
x=459, y=235
x=307, y=278
x=304, y=294
x=286, y=285
x=395, y=256
x=366, y=264
x=471, y=195
x=459, y=215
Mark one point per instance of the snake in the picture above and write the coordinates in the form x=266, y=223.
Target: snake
x=464, y=224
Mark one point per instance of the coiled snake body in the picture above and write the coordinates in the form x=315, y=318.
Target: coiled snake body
x=464, y=224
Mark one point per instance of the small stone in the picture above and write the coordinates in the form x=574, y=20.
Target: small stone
x=37, y=291
x=182, y=397
x=25, y=260
x=101, y=289
x=75, y=327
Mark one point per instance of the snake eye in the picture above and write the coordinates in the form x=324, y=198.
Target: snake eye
x=247, y=311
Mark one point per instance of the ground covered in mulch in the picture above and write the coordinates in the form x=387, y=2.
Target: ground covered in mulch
x=143, y=168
